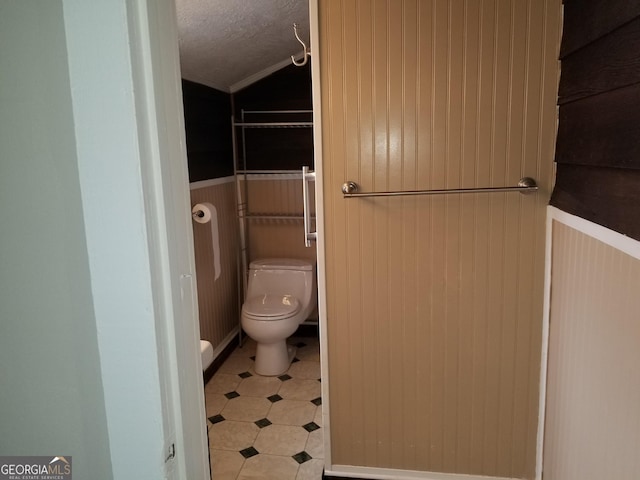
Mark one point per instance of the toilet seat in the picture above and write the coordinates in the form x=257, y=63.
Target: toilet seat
x=270, y=307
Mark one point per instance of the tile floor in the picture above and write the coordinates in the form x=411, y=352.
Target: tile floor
x=266, y=427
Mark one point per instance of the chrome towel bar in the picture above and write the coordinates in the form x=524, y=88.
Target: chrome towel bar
x=525, y=185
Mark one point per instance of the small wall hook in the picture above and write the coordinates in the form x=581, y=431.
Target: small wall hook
x=305, y=51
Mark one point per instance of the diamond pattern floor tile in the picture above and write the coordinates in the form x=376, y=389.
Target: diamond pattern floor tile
x=225, y=464
x=246, y=409
x=232, y=435
x=292, y=412
x=268, y=467
x=266, y=427
x=281, y=440
x=222, y=383
x=300, y=389
x=258, y=386
x=311, y=470
x=305, y=369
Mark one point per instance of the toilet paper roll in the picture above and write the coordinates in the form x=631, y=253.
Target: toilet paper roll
x=202, y=212
x=205, y=213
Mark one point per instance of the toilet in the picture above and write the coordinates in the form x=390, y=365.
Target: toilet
x=281, y=293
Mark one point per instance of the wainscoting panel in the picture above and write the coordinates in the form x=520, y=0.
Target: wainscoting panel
x=217, y=299
x=593, y=388
x=274, y=194
x=434, y=304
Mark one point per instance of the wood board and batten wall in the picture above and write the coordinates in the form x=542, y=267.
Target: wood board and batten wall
x=270, y=194
x=434, y=304
x=207, y=114
x=276, y=194
x=218, y=302
x=593, y=388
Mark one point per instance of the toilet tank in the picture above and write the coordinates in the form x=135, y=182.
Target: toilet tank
x=282, y=276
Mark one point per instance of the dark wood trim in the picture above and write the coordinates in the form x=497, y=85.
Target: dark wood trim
x=307, y=331
x=339, y=478
x=610, y=63
x=607, y=196
x=601, y=130
x=587, y=20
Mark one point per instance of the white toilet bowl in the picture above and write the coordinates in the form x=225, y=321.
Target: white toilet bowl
x=280, y=295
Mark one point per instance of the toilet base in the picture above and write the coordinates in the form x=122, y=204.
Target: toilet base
x=273, y=358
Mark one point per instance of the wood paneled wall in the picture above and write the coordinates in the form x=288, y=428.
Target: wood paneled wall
x=434, y=304
x=271, y=238
x=598, y=152
x=217, y=299
x=593, y=407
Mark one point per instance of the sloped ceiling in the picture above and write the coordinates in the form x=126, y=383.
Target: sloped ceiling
x=225, y=42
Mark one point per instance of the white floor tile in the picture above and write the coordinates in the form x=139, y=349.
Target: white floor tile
x=314, y=446
x=225, y=464
x=278, y=442
x=302, y=369
x=300, y=389
x=259, y=386
x=236, y=364
x=232, y=435
x=269, y=467
x=311, y=470
x=214, y=403
x=222, y=383
x=246, y=409
x=292, y=412
x=281, y=440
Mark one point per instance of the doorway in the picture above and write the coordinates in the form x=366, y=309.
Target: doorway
x=253, y=179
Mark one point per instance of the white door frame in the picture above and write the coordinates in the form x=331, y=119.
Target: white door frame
x=314, y=26
x=160, y=120
x=168, y=187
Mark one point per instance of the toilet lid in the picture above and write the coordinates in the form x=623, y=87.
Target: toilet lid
x=271, y=306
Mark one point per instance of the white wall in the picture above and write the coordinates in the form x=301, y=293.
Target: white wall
x=98, y=339
x=593, y=385
x=114, y=212
x=51, y=395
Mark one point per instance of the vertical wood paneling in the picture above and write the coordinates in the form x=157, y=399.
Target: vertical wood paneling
x=217, y=299
x=593, y=390
x=435, y=303
x=272, y=238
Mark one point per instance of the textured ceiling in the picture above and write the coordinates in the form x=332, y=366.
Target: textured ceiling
x=223, y=42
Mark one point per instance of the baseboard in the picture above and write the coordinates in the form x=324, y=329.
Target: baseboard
x=348, y=472
x=307, y=330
